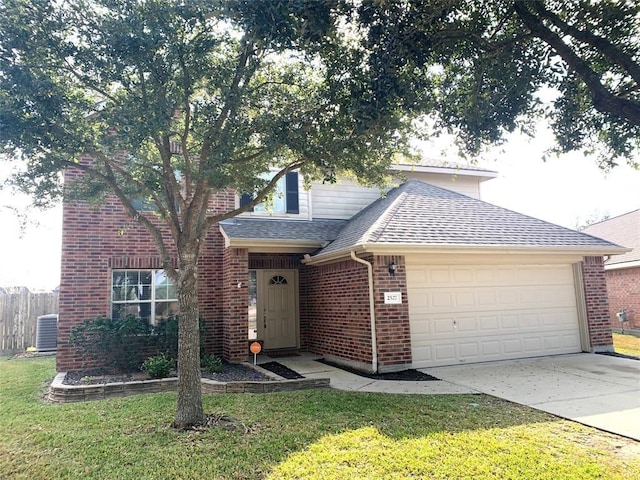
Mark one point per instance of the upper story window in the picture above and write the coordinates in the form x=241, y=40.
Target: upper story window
x=147, y=294
x=285, y=197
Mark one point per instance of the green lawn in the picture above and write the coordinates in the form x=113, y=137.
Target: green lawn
x=626, y=344
x=322, y=434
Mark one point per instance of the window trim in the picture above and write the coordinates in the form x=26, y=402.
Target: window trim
x=290, y=192
x=152, y=301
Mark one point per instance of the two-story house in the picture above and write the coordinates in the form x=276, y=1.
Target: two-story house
x=425, y=274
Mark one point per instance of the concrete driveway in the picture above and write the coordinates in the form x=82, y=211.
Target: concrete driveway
x=597, y=390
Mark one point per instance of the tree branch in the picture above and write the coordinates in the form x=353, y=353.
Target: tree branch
x=603, y=100
x=602, y=45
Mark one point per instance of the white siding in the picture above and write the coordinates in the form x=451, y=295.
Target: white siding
x=458, y=183
x=340, y=200
x=345, y=198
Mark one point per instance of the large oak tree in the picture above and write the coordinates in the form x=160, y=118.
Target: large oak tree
x=174, y=101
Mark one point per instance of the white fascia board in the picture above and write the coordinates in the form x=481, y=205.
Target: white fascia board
x=390, y=248
x=260, y=245
x=483, y=174
x=407, y=249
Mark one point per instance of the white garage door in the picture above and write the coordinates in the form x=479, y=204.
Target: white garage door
x=477, y=313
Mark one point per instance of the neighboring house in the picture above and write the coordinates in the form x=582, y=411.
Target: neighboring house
x=622, y=271
x=425, y=275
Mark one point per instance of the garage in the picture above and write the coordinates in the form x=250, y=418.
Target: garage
x=478, y=313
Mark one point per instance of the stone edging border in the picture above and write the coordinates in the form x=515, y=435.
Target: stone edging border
x=61, y=393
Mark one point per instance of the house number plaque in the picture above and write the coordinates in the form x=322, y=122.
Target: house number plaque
x=393, y=297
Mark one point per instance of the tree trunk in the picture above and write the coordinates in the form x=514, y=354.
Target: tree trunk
x=189, y=410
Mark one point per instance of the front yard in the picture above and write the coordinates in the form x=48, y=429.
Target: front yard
x=307, y=434
x=626, y=344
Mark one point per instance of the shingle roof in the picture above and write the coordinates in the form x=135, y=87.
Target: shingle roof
x=421, y=214
x=322, y=231
x=623, y=230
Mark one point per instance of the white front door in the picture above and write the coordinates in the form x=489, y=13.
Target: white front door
x=277, y=308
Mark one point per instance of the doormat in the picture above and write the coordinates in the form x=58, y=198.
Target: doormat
x=405, y=375
x=281, y=353
x=281, y=370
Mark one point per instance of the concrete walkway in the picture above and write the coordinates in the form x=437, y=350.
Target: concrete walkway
x=596, y=390
x=307, y=365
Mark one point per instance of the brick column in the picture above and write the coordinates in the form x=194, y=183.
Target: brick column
x=235, y=318
x=597, y=304
x=392, y=320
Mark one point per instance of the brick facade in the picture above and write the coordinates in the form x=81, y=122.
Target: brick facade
x=623, y=288
x=597, y=306
x=392, y=320
x=97, y=239
x=235, y=318
x=334, y=311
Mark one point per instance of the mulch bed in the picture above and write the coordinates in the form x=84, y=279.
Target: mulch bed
x=406, y=375
x=621, y=355
x=231, y=372
x=281, y=370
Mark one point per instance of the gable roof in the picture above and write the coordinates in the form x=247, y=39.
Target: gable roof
x=623, y=230
x=422, y=215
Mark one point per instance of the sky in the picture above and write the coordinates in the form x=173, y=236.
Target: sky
x=567, y=190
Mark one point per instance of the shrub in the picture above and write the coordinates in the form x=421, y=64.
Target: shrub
x=123, y=344
x=211, y=363
x=159, y=366
x=165, y=337
x=119, y=344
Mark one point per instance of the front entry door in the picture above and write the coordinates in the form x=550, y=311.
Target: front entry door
x=277, y=317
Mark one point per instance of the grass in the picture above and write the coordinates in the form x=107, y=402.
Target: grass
x=626, y=344
x=321, y=434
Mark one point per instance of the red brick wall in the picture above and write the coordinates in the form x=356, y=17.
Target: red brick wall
x=623, y=287
x=334, y=311
x=97, y=239
x=235, y=295
x=392, y=321
x=597, y=305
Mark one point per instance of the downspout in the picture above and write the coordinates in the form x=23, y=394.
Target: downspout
x=374, y=343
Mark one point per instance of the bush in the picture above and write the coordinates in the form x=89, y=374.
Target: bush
x=120, y=344
x=159, y=366
x=123, y=344
x=165, y=337
x=211, y=363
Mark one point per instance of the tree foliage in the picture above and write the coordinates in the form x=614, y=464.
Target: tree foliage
x=173, y=101
x=479, y=66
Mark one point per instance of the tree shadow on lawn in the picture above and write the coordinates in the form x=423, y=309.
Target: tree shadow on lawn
x=131, y=438
x=372, y=435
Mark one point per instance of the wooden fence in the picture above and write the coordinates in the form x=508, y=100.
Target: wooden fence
x=18, y=317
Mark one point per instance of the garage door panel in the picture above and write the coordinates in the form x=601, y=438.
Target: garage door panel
x=493, y=298
x=466, y=314
x=445, y=353
x=489, y=322
x=467, y=324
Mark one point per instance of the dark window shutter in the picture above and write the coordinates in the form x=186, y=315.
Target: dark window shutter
x=244, y=199
x=292, y=192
